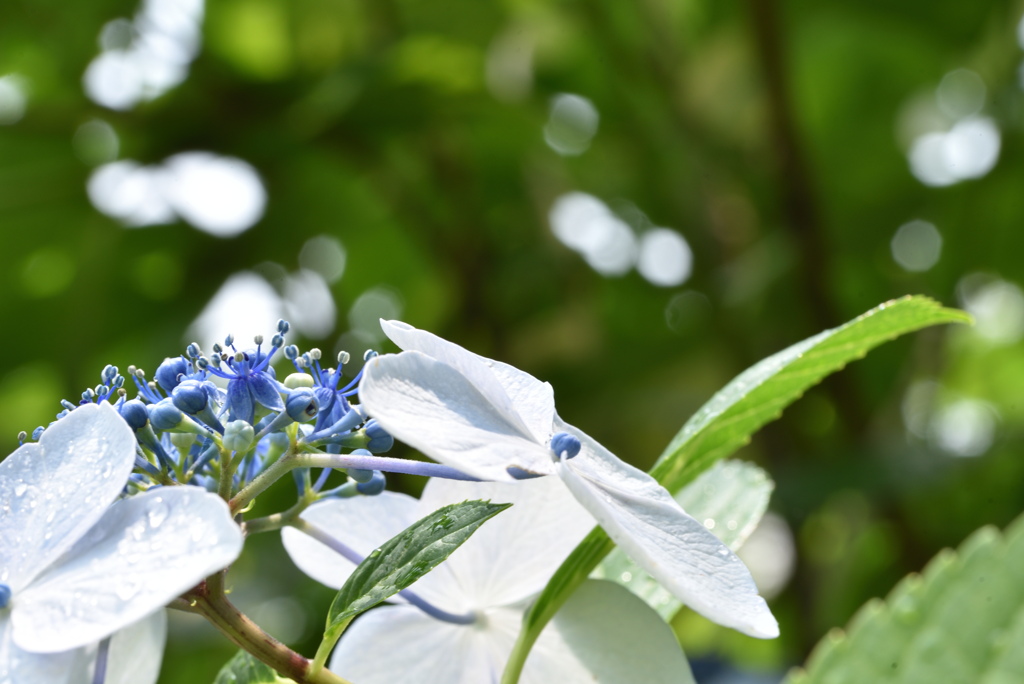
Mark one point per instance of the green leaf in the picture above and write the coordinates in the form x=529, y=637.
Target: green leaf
x=406, y=557
x=243, y=668
x=759, y=394
x=960, y=621
x=730, y=497
x=725, y=423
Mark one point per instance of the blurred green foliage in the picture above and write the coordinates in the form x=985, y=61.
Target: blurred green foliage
x=773, y=136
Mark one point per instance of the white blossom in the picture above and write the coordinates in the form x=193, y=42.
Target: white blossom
x=78, y=565
x=603, y=634
x=496, y=422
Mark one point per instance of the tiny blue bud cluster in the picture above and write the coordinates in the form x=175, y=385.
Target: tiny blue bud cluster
x=219, y=420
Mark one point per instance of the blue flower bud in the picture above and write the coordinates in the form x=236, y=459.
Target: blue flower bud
x=277, y=341
x=190, y=396
x=164, y=415
x=564, y=444
x=374, y=486
x=380, y=440
x=291, y=352
x=238, y=435
x=193, y=351
x=302, y=405
x=5, y=595
x=283, y=327
x=135, y=414
x=170, y=372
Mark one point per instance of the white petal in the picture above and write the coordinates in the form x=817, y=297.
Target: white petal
x=514, y=554
x=401, y=644
x=607, y=635
x=531, y=399
x=362, y=523
x=433, y=407
x=59, y=487
x=678, y=551
x=145, y=551
x=137, y=651
x=21, y=667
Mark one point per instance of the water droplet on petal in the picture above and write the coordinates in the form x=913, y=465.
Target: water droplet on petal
x=157, y=514
x=20, y=489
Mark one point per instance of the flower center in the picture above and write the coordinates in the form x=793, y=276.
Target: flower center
x=564, y=445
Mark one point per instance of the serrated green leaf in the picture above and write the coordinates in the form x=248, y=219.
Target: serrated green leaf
x=960, y=621
x=759, y=394
x=243, y=668
x=726, y=422
x=406, y=557
x=730, y=497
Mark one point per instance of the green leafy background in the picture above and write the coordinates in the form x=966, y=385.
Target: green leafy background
x=375, y=122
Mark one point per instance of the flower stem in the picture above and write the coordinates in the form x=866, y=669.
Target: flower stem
x=209, y=600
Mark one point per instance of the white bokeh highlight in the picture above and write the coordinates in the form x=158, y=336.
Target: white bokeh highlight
x=997, y=307
x=585, y=224
x=219, y=195
x=572, y=124
x=324, y=254
x=665, y=258
x=143, y=58
x=13, y=99
x=965, y=427
x=309, y=303
x=246, y=305
x=222, y=196
x=916, y=246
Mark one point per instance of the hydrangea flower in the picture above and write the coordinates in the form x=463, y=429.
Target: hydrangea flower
x=475, y=600
x=499, y=423
x=76, y=564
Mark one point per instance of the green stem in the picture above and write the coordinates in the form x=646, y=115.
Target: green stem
x=269, y=523
x=261, y=482
x=327, y=645
x=209, y=600
x=572, y=573
x=227, y=472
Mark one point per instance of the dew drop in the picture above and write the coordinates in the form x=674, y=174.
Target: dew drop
x=127, y=590
x=20, y=489
x=157, y=514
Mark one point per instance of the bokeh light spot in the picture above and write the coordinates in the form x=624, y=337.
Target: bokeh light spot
x=961, y=93
x=131, y=193
x=997, y=307
x=95, y=142
x=222, y=196
x=572, y=124
x=309, y=303
x=965, y=427
x=916, y=246
x=245, y=305
x=325, y=255
x=13, y=99
x=586, y=224
x=665, y=257
x=371, y=306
